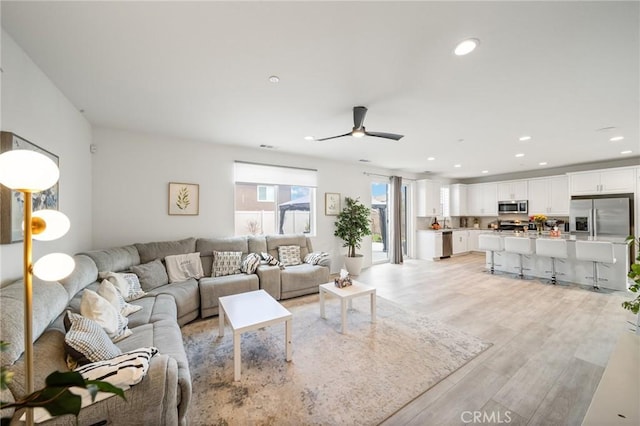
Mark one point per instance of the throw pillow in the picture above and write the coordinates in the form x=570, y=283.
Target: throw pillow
x=271, y=260
x=289, y=255
x=135, y=289
x=98, y=309
x=109, y=292
x=181, y=267
x=151, y=275
x=127, y=369
x=127, y=284
x=86, y=341
x=226, y=263
x=315, y=258
x=250, y=263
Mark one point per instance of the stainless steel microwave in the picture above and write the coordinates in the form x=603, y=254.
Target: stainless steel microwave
x=513, y=207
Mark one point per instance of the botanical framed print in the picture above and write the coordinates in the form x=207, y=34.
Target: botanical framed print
x=331, y=203
x=184, y=199
x=12, y=202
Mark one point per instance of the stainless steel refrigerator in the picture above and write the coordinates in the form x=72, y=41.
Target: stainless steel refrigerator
x=602, y=215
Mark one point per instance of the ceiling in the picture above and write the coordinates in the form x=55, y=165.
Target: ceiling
x=556, y=71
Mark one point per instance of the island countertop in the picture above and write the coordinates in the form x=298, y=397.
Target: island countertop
x=568, y=237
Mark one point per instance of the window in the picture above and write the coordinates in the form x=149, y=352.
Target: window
x=274, y=200
x=266, y=193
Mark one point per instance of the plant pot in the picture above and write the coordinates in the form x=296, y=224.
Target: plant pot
x=353, y=264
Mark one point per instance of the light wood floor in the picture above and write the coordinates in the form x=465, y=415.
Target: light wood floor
x=550, y=343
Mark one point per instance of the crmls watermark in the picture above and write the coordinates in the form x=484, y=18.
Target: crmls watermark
x=494, y=417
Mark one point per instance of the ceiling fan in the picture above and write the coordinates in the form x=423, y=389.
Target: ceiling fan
x=358, y=129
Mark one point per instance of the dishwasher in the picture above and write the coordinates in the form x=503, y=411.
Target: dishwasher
x=447, y=244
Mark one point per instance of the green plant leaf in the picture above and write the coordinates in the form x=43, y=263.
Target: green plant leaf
x=95, y=386
x=61, y=379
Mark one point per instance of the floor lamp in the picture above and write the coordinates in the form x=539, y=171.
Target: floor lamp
x=29, y=172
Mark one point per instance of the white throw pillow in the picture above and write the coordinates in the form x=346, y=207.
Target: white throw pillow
x=109, y=292
x=181, y=267
x=100, y=310
x=127, y=284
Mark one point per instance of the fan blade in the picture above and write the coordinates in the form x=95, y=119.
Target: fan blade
x=385, y=135
x=334, y=137
x=358, y=116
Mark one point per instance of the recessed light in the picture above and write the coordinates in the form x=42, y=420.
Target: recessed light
x=520, y=155
x=362, y=160
x=460, y=140
x=484, y=172
x=431, y=158
x=626, y=152
x=466, y=46
x=267, y=146
x=457, y=166
x=309, y=138
x=542, y=163
x=616, y=138
x=274, y=79
x=524, y=138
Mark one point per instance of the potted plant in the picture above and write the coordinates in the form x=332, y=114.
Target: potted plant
x=353, y=224
x=634, y=274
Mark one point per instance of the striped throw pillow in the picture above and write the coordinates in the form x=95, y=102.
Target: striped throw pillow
x=250, y=263
x=315, y=257
x=271, y=260
x=127, y=369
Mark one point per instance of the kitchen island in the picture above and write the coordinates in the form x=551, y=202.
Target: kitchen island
x=568, y=270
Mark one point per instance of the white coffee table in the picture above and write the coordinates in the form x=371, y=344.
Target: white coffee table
x=251, y=311
x=346, y=294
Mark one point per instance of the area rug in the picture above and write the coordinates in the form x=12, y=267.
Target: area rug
x=359, y=378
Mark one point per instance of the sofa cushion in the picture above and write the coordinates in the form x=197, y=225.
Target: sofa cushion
x=289, y=255
x=226, y=263
x=302, y=277
x=211, y=288
x=206, y=247
x=162, y=249
x=49, y=299
x=183, y=266
x=87, y=342
x=100, y=310
x=114, y=259
x=84, y=273
x=151, y=275
x=257, y=243
x=186, y=298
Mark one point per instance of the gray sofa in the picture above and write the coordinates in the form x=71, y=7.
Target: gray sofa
x=163, y=395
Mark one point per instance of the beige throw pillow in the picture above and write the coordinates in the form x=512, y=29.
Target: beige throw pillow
x=98, y=309
x=289, y=255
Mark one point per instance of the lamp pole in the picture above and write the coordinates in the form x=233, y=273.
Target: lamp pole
x=28, y=298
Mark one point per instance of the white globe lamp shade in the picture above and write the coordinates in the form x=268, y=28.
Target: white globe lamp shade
x=54, y=267
x=27, y=170
x=56, y=224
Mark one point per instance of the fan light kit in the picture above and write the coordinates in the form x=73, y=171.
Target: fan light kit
x=466, y=46
x=359, y=131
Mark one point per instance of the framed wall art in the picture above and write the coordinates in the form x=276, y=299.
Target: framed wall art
x=184, y=199
x=331, y=203
x=12, y=202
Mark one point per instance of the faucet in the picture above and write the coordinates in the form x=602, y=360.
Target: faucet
x=444, y=222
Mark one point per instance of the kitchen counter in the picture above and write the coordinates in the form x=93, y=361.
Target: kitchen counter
x=568, y=237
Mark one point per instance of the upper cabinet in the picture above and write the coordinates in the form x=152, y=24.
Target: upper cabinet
x=428, y=198
x=512, y=190
x=482, y=199
x=458, y=199
x=612, y=181
x=549, y=196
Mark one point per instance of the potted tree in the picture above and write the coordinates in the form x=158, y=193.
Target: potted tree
x=634, y=274
x=353, y=224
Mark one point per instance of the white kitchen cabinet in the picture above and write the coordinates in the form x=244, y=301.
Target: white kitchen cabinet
x=613, y=181
x=549, y=196
x=512, y=190
x=458, y=199
x=472, y=242
x=429, y=245
x=459, y=240
x=482, y=199
x=428, y=198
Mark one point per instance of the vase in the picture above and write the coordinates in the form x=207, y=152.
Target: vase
x=539, y=228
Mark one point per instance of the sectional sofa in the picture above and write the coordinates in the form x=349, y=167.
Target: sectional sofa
x=162, y=397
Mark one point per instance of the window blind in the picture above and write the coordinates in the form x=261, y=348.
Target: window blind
x=274, y=175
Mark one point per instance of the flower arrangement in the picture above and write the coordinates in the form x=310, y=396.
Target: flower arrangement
x=538, y=218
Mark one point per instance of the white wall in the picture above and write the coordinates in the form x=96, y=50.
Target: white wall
x=33, y=108
x=130, y=186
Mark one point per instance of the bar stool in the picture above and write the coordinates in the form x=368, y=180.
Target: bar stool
x=553, y=248
x=492, y=243
x=522, y=246
x=596, y=252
